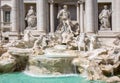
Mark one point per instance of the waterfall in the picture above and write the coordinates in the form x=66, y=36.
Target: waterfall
x=112, y=72
x=75, y=69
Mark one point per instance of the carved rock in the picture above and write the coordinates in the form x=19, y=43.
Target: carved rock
x=7, y=63
x=45, y=65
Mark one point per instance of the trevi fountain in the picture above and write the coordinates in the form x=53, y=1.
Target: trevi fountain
x=65, y=52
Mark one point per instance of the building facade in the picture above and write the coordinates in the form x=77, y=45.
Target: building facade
x=85, y=12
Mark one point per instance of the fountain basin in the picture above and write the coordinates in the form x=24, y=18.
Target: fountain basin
x=19, y=52
x=18, y=78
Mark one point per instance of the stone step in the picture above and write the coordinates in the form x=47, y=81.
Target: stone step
x=108, y=34
x=35, y=32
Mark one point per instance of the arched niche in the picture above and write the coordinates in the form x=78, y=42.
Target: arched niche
x=6, y=15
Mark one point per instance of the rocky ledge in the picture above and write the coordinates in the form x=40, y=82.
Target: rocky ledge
x=41, y=65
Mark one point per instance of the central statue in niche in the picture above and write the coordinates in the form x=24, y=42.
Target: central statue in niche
x=64, y=26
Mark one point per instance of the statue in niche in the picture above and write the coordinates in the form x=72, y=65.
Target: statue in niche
x=31, y=19
x=104, y=18
x=64, y=17
x=65, y=23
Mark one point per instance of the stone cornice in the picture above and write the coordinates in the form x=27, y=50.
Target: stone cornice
x=62, y=1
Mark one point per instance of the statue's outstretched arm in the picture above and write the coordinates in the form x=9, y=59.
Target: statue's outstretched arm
x=59, y=14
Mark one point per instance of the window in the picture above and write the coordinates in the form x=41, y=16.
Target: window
x=7, y=16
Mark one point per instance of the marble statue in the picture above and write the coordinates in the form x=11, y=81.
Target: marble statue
x=66, y=37
x=27, y=36
x=64, y=18
x=31, y=18
x=81, y=42
x=104, y=18
x=44, y=42
x=37, y=47
x=27, y=41
x=117, y=40
x=53, y=39
x=41, y=42
x=37, y=43
x=65, y=24
x=93, y=42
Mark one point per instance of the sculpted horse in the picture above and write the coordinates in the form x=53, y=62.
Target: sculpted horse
x=81, y=43
x=93, y=43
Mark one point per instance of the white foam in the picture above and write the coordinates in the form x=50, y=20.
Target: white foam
x=50, y=75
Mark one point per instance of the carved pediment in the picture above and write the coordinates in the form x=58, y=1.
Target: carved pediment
x=6, y=6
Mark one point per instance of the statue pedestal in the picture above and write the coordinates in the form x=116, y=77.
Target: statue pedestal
x=105, y=29
x=29, y=28
x=35, y=32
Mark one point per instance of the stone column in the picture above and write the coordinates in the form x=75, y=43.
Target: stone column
x=2, y=18
x=91, y=15
x=0, y=23
x=81, y=17
x=116, y=14
x=0, y=15
x=78, y=12
x=41, y=15
x=96, y=16
x=113, y=15
x=22, y=16
x=15, y=15
x=51, y=16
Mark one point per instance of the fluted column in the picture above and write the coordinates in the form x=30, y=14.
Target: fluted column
x=91, y=15
x=15, y=15
x=22, y=16
x=41, y=15
x=116, y=15
x=113, y=15
x=81, y=17
x=78, y=12
x=96, y=16
x=51, y=16
x=0, y=15
x=0, y=23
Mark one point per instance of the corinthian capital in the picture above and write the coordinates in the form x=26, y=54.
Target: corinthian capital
x=51, y=1
x=81, y=1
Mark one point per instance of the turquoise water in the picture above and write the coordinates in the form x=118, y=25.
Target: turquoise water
x=22, y=78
